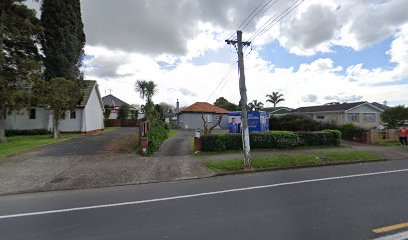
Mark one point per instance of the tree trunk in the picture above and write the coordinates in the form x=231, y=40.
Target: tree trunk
x=55, y=127
x=2, y=124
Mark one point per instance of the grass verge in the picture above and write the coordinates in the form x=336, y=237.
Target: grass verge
x=18, y=144
x=171, y=133
x=262, y=149
x=389, y=144
x=291, y=161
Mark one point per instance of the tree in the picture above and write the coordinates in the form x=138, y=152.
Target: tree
x=159, y=110
x=107, y=111
x=224, y=103
x=208, y=129
x=134, y=114
x=20, y=65
x=393, y=116
x=140, y=87
x=147, y=89
x=166, y=107
x=63, y=40
x=60, y=95
x=275, y=98
x=124, y=112
x=255, y=105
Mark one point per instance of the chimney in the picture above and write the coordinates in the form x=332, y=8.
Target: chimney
x=177, y=106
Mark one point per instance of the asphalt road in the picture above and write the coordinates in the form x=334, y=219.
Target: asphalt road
x=333, y=202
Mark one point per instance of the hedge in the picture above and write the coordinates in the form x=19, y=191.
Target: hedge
x=14, y=132
x=156, y=137
x=324, y=138
x=273, y=140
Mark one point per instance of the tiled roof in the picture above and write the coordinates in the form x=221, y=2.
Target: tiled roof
x=276, y=109
x=328, y=108
x=86, y=91
x=204, y=107
x=113, y=101
x=379, y=105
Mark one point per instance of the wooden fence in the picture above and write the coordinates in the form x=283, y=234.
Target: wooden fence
x=374, y=136
x=122, y=123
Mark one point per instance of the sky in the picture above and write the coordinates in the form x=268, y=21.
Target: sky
x=322, y=51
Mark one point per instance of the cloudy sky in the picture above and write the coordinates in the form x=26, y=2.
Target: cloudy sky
x=323, y=51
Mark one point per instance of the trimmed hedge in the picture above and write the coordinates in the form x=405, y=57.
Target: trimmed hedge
x=324, y=138
x=156, y=137
x=26, y=132
x=351, y=132
x=273, y=140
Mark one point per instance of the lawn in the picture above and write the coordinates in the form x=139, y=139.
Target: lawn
x=388, y=143
x=17, y=144
x=289, y=161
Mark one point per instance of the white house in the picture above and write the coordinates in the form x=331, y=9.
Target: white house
x=87, y=117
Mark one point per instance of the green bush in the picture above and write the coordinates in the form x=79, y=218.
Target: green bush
x=324, y=138
x=10, y=132
x=337, y=135
x=156, y=137
x=351, y=132
x=273, y=139
x=297, y=122
x=216, y=142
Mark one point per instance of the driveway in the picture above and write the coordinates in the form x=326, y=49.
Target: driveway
x=178, y=145
x=96, y=161
x=88, y=144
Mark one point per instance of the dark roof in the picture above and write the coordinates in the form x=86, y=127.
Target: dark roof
x=113, y=101
x=276, y=109
x=86, y=91
x=379, y=105
x=328, y=108
x=200, y=107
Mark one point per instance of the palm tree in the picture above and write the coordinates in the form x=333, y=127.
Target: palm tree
x=151, y=89
x=140, y=87
x=275, y=98
x=255, y=105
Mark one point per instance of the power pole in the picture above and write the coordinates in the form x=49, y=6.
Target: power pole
x=244, y=99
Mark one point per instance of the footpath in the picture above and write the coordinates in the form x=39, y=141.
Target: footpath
x=36, y=171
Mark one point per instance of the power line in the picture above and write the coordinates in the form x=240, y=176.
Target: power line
x=254, y=15
x=231, y=68
x=275, y=19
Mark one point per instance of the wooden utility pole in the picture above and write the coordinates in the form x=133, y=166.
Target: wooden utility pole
x=244, y=100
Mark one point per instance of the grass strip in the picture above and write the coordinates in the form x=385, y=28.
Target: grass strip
x=290, y=161
x=18, y=144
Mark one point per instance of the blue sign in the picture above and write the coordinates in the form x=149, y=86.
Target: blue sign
x=257, y=122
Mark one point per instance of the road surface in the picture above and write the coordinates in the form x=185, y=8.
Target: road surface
x=360, y=201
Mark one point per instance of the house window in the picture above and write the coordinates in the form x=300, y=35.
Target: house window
x=369, y=117
x=352, y=117
x=31, y=114
x=208, y=118
x=72, y=114
x=320, y=117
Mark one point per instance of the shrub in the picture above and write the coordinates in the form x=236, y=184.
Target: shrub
x=326, y=138
x=156, y=137
x=274, y=139
x=10, y=132
x=337, y=135
x=297, y=122
x=215, y=142
x=351, y=132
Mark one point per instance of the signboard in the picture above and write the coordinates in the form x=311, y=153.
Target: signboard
x=257, y=122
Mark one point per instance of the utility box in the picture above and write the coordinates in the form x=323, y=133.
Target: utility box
x=258, y=121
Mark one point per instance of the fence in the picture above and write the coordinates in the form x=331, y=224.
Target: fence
x=122, y=123
x=374, y=136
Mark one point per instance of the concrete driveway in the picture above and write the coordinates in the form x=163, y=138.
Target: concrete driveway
x=97, y=161
x=178, y=145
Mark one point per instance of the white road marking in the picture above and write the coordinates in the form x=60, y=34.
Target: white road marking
x=397, y=236
x=197, y=194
